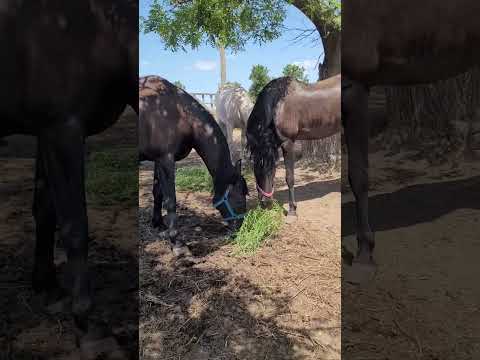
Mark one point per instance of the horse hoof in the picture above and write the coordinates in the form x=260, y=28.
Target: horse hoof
x=181, y=251
x=290, y=219
x=58, y=302
x=106, y=348
x=159, y=225
x=360, y=272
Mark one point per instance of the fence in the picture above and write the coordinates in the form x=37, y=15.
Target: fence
x=207, y=100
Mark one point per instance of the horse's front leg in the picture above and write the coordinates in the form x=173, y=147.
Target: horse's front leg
x=157, y=219
x=288, y=149
x=355, y=122
x=166, y=176
x=61, y=151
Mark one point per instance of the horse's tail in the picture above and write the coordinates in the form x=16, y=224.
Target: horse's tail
x=262, y=137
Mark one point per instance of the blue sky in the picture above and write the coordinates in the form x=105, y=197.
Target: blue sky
x=199, y=70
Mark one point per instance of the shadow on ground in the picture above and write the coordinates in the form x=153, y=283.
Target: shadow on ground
x=206, y=312
x=415, y=204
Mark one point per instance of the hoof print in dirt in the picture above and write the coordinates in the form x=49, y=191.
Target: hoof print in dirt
x=290, y=219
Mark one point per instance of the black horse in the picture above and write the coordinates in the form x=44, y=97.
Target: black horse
x=69, y=72
x=172, y=123
x=288, y=110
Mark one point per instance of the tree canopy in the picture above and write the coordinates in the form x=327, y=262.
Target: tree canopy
x=230, y=23
x=295, y=71
x=259, y=78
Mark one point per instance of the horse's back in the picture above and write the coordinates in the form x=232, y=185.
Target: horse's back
x=409, y=42
x=233, y=106
x=63, y=61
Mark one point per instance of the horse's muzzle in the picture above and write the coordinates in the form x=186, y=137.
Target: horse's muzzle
x=266, y=203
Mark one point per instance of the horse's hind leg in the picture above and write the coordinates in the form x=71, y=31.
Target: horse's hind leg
x=166, y=176
x=355, y=122
x=288, y=149
x=44, y=276
x=157, y=219
x=229, y=138
x=243, y=142
x=62, y=154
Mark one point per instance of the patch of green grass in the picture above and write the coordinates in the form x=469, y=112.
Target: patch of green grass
x=112, y=177
x=196, y=178
x=259, y=225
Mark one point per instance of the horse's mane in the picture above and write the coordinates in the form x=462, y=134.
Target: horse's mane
x=262, y=138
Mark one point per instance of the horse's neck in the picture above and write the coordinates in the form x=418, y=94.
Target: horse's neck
x=211, y=146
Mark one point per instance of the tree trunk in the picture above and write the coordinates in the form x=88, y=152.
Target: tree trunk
x=438, y=117
x=332, y=56
x=326, y=150
x=223, y=66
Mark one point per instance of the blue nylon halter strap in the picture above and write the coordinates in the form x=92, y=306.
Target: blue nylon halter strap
x=224, y=201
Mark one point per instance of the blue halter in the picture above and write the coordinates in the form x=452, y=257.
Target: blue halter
x=224, y=201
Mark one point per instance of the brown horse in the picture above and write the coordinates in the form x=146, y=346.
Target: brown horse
x=396, y=42
x=69, y=71
x=287, y=110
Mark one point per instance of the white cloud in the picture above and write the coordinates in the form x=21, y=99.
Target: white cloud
x=145, y=62
x=205, y=65
x=307, y=64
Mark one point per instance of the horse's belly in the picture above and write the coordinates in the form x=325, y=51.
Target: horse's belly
x=318, y=133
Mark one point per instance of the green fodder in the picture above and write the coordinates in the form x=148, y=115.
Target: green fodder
x=112, y=177
x=258, y=225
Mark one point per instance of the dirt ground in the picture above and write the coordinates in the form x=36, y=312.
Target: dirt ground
x=281, y=303
x=423, y=302
x=27, y=331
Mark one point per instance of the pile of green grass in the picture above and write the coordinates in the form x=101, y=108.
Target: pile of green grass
x=258, y=225
x=112, y=177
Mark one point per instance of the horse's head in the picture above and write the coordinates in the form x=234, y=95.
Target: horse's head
x=232, y=203
x=264, y=178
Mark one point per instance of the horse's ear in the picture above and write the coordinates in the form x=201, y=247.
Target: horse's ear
x=238, y=166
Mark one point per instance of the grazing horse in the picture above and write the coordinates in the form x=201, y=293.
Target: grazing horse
x=70, y=72
x=288, y=110
x=396, y=42
x=172, y=123
x=233, y=107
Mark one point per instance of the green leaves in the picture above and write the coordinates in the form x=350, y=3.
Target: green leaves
x=179, y=84
x=324, y=13
x=296, y=72
x=231, y=23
